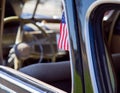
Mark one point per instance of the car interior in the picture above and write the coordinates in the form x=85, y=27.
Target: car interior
x=30, y=43
x=38, y=31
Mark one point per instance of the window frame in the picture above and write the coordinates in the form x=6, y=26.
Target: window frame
x=98, y=57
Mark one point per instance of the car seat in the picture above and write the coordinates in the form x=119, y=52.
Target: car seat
x=57, y=74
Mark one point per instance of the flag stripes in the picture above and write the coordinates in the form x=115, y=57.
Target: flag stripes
x=63, y=43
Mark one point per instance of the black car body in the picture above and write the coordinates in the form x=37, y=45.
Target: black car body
x=92, y=65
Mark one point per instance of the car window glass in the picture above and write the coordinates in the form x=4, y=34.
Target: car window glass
x=30, y=42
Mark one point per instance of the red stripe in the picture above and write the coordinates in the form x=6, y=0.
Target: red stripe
x=63, y=42
x=63, y=39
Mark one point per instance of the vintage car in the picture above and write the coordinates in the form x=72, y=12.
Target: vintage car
x=91, y=65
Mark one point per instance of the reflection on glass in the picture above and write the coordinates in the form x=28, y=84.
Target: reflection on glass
x=5, y=89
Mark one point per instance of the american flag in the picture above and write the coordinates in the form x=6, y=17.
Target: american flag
x=63, y=42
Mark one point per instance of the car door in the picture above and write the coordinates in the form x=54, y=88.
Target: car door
x=89, y=51
x=100, y=66
x=90, y=63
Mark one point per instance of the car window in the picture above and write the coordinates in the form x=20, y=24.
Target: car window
x=30, y=43
x=37, y=18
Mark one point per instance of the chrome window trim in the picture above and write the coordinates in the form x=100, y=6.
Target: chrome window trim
x=7, y=73
x=4, y=88
x=75, y=50
x=97, y=3
x=87, y=40
x=90, y=60
x=15, y=81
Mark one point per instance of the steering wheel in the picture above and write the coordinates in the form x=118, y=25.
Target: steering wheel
x=20, y=47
